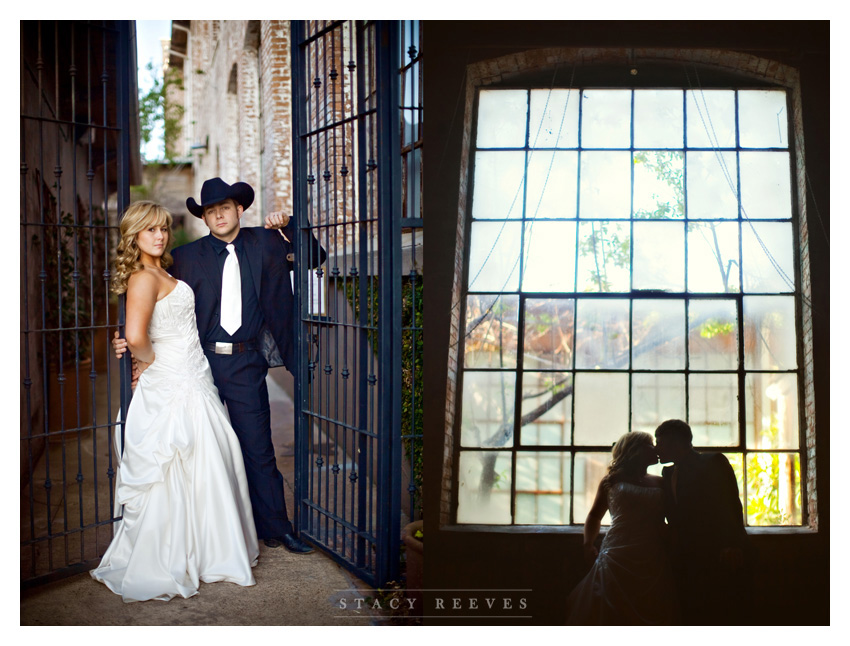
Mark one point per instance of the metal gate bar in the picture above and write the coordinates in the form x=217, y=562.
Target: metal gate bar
x=348, y=193
x=76, y=80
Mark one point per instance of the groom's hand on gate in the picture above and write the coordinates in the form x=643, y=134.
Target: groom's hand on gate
x=119, y=345
x=276, y=220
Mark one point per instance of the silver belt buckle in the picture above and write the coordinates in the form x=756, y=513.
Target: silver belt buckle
x=223, y=348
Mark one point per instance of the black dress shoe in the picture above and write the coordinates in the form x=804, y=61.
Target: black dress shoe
x=290, y=542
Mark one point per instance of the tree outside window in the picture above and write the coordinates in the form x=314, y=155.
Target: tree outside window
x=630, y=259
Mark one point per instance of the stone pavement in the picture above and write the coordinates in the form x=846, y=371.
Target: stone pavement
x=305, y=590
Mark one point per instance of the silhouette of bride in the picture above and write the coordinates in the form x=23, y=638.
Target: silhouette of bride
x=630, y=581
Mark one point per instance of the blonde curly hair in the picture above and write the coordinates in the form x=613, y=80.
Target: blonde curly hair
x=624, y=454
x=138, y=217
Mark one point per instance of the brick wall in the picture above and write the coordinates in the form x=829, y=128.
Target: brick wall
x=275, y=78
x=238, y=105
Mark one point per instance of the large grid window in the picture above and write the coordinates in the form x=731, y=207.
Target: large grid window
x=630, y=259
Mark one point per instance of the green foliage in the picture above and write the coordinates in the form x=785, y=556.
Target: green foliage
x=540, y=322
x=712, y=327
x=412, y=352
x=764, y=472
x=155, y=108
x=181, y=237
x=608, y=248
x=412, y=386
x=668, y=167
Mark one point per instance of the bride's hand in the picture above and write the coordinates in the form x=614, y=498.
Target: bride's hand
x=138, y=368
x=590, y=553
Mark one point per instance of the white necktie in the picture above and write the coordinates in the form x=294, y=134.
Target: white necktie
x=231, y=293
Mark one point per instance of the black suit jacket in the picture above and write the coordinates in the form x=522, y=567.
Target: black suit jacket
x=705, y=514
x=268, y=253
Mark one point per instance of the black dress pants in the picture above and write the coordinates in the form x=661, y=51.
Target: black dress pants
x=241, y=382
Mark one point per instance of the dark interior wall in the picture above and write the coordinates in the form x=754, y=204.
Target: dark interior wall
x=793, y=580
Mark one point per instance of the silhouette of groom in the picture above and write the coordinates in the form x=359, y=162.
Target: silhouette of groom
x=711, y=552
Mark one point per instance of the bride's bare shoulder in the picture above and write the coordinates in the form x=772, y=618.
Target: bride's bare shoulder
x=149, y=283
x=143, y=280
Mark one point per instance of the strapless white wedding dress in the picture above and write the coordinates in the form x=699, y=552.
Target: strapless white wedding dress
x=186, y=511
x=631, y=581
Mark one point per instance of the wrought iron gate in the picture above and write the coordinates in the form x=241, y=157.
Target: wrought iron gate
x=78, y=91
x=357, y=125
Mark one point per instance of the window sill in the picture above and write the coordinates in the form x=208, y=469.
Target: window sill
x=579, y=529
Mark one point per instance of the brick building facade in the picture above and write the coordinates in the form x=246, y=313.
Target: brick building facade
x=237, y=108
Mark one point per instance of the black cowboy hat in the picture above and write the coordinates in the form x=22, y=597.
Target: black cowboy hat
x=216, y=190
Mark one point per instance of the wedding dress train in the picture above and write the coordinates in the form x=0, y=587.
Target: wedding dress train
x=181, y=480
x=631, y=581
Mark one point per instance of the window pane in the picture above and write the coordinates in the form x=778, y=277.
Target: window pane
x=589, y=470
x=552, y=184
x=601, y=407
x=498, y=185
x=602, y=333
x=484, y=487
x=655, y=398
x=713, y=408
x=603, y=257
x=659, y=184
x=488, y=409
x=765, y=185
x=659, y=256
x=549, y=333
x=713, y=264
x=712, y=185
x=546, y=408
x=491, y=331
x=763, y=119
x=502, y=116
x=606, y=180
x=773, y=489
x=549, y=257
x=713, y=335
x=770, y=342
x=658, y=334
x=606, y=118
x=658, y=118
x=554, y=112
x=494, y=256
x=768, y=261
x=542, y=488
x=772, y=411
x=711, y=118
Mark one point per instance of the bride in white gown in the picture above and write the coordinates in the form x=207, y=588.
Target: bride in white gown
x=181, y=480
x=630, y=581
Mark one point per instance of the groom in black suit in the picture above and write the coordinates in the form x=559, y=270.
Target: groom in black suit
x=245, y=330
x=710, y=548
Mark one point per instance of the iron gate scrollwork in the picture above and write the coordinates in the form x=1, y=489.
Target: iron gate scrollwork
x=357, y=189
x=79, y=154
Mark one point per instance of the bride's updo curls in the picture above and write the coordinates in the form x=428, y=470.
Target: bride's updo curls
x=138, y=217
x=625, y=456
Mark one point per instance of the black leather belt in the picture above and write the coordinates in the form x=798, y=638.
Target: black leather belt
x=230, y=348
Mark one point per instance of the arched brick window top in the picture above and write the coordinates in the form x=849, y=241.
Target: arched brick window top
x=738, y=65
